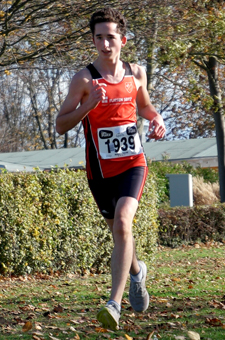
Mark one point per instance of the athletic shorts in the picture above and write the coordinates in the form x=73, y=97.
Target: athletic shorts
x=107, y=191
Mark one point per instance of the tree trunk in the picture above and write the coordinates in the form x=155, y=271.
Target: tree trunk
x=150, y=67
x=212, y=71
x=37, y=117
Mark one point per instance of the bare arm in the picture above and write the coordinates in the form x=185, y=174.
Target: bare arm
x=81, y=91
x=145, y=107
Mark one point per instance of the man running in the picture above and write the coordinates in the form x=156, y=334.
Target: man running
x=104, y=96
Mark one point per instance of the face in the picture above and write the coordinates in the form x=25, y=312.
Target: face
x=107, y=40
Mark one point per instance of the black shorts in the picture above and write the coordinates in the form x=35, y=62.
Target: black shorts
x=107, y=191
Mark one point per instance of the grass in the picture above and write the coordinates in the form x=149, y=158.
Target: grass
x=187, y=294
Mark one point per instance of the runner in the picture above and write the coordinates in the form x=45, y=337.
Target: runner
x=104, y=96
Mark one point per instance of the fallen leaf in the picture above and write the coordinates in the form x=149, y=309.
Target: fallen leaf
x=27, y=326
x=37, y=326
x=162, y=300
x=58, y=309
x=175, y=279
x=217, y=304
x=97, y=288
x=37, y=334
x=55, y=287
x=128, y=337
x=168, y=305
x=193, y=335
x=149, y=337
x=27, y=308
x=35, y=337
x=101, y=330
x=75, y=321
x=53, y=338
x=125, y=301
x=77, y=337
x=214, y=322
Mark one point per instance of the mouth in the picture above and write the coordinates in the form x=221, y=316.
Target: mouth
x=106, y=52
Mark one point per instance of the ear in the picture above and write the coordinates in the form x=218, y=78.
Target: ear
x=124, y=41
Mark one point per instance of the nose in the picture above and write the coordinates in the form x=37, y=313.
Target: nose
x=106, y=43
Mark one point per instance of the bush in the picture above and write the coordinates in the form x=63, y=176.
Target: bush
x=187, y=225
x=50, y=222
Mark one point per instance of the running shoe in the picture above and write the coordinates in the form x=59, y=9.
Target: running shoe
x=138, y=295
x=109, y=317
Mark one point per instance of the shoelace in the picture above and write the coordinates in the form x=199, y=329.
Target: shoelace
x=137, y=287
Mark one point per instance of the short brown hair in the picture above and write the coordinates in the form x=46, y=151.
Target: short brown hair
x=108, y=14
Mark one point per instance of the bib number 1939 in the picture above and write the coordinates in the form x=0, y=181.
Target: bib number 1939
x=119, y=141
x=123, y=143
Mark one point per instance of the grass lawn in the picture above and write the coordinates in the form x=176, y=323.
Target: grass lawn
x=187, y=289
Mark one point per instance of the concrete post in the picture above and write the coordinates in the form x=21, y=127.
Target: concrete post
x=181, y=190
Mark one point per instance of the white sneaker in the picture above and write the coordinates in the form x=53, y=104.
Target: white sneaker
x=109, y=317
x=138, y=295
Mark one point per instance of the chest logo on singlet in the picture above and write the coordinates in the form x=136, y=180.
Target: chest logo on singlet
x=129, y=86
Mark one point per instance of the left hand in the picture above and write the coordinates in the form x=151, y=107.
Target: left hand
x=156, y=128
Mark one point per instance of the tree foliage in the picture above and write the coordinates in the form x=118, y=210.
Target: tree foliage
x=34, y=29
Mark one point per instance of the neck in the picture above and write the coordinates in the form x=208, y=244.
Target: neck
x=110, y=66
x=113, y=72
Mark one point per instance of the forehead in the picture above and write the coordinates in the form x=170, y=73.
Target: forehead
x=106, y=28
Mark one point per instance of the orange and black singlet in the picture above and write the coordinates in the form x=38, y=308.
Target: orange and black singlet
x=112, y=141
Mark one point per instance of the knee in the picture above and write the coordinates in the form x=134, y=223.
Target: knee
x=122, y=227
x=123, y=219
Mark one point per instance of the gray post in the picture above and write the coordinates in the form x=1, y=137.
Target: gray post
x=181, y=190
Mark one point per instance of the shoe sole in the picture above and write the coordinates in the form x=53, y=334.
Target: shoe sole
x=107, y=319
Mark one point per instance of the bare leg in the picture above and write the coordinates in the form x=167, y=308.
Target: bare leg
x=134, y=269
x=124, y=258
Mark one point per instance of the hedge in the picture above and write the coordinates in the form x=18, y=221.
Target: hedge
x=49, y=222
x=180, y=225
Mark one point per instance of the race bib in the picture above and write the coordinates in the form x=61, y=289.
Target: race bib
x=119, y=141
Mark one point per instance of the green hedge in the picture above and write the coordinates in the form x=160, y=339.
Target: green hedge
x=49, y=222
x=180, y=225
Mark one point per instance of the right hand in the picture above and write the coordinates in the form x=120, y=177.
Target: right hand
x=97, y=94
